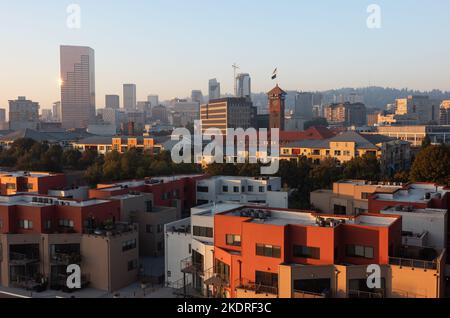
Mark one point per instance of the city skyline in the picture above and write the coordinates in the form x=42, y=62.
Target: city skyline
x=324, y=46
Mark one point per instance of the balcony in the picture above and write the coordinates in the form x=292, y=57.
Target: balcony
x=308, y=295
x=19, y=259
x=365, y=294
x=216, y=280
x=416, y=257
x=253, y=289
x=188, y=266
x=65, y=259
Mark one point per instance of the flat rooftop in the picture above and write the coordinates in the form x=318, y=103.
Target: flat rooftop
x=37, y=200
x=280, y=217
x=417, y=192
x=138, y=183
x=18, y=174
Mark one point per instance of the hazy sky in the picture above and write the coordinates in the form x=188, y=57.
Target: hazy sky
x=169, y=47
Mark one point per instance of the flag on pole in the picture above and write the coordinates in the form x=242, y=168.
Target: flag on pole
x=274, y=74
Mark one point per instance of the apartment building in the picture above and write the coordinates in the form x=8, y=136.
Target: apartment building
x=41, y=236
x=105, y=144
x=32, y=182
x=259, y=190
x=259, y=252
x=176, y=191
x=394, y=155
x=416, y=135
x=349, y=197
x=346, y=114
x=423, y=109
x=137, y=208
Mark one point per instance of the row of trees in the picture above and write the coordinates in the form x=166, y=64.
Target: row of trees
x=432, y=164
x=29, y=155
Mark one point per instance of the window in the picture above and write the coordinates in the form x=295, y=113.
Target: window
x=306, y=252
x=29, y=186
x=223, y=271
x=129, y=245
x=225, y=189
x=347, y=153
x=132, y=265
x=11, y=186
x=337, y=152
x=316, y=152
x=203, y=231
x=266, y=279
x=340, y=210
x=66, y=223
x=202, y=189
x=261, y=189
x=48, y=224
x=360, y=251
x=365, y=195
x=250, y=188
x=268, y=250
x=159, y=228
x=149, y=228
x=236, y=189
x=26, y=224
x=233, y=240
x=148, y=206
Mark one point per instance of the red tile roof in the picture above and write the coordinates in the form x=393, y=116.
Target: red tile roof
x=313, y=133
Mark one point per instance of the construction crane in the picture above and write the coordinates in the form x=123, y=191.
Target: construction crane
x=235, y=68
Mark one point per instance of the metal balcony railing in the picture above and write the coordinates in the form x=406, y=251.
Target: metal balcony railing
x=413, y=263
x=258, y=288
x=188, y=266
x=305, y=294
x=22, y=259
x=65, y=259
x=364, y=294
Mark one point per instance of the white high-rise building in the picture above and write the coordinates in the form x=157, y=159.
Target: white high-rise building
x=243, y=85
x=77, y=86
x=214, y=89
x=57, y=111
x=129, y=96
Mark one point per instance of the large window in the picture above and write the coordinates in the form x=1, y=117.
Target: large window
x=223, y=271
x=26, y=224
x=129, y=245
x=148, y=206
x=340, y=210
x=66, y=223
x=203, y=231
x=202, y=189
x=266, y=279
x=132, y=265
x=268, y=251
x=233, y=240
x=359, y=251
x=306, y=252
x=225, y=189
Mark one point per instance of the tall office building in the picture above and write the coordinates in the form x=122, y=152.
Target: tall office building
x=346, y=114
x=3, y=124
x=214, y=89
x=197, y=96
x=153, y=99
x=77, y=86
x=129, y=96
x=277, y=107
x=23, y=114
x=421, y=108
x=445, y=113
x=229, y=112
x=304, y=103
x=57, y=111
x=112, y=101
x=243, y=86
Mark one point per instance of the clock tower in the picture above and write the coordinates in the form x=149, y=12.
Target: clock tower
x=277, y=98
